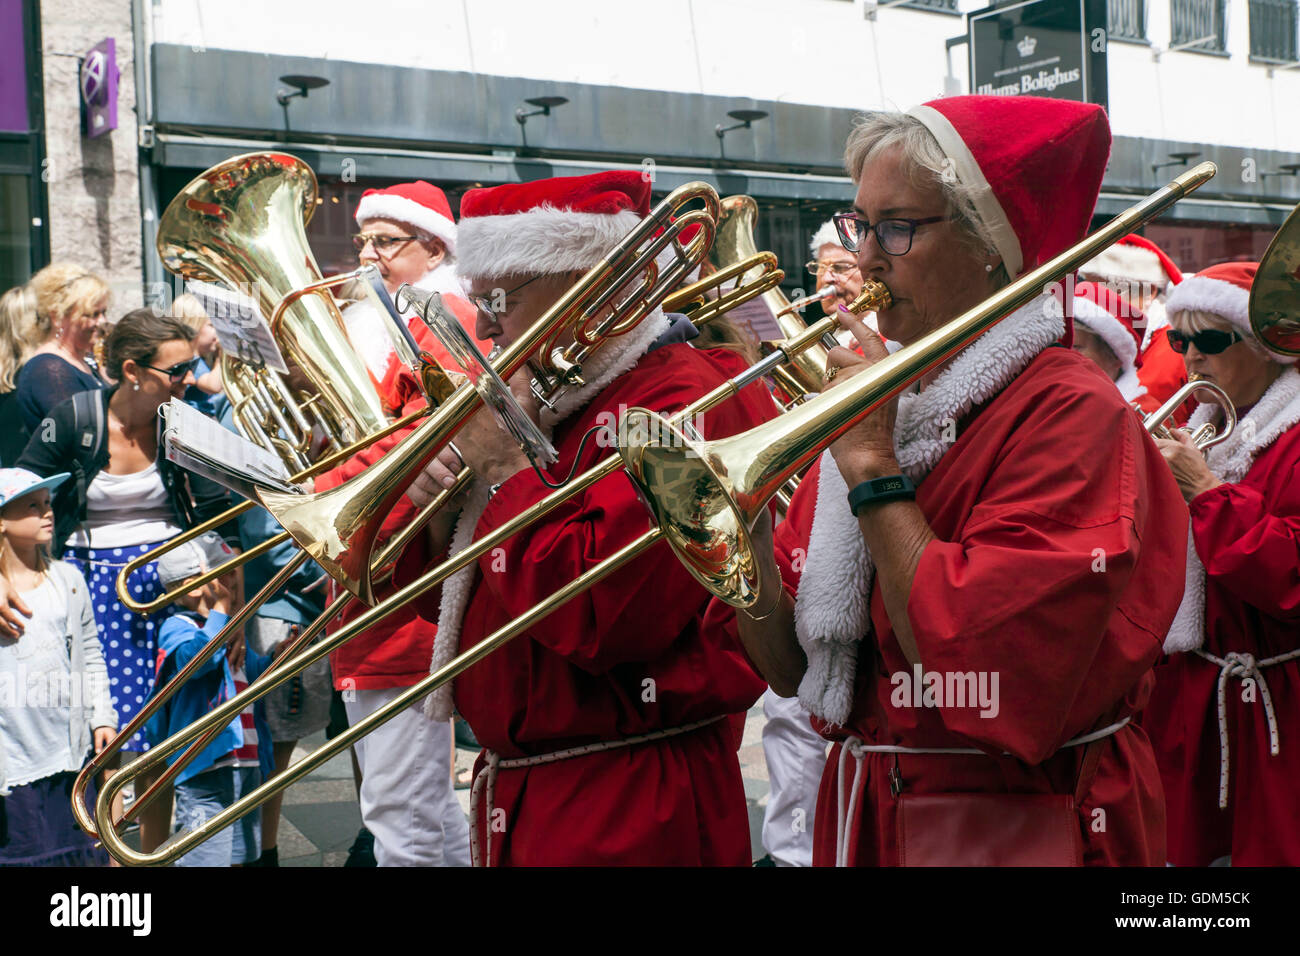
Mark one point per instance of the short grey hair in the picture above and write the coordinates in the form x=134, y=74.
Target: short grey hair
x=926, y=163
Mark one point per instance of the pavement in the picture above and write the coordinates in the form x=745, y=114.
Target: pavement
x=320, y=819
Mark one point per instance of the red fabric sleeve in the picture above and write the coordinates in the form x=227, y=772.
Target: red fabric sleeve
x=632, y=616
x=1029, y=589
x=1250, y=547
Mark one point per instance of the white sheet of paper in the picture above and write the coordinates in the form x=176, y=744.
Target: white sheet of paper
x=241, y=328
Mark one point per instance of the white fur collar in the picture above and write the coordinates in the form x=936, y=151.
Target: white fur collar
x=371, y=332
x=832, y=611
x=1130, y=386
x=1277, y=410
x=607, y=364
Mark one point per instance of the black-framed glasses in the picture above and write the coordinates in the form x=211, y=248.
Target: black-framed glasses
x=178, y=371
x=838, y=269
x=384, y=245
x=486, y=304
x=1207, y=341
x=893, y=235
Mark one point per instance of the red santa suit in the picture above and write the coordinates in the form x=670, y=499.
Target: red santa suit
x=604, y=726
x=1056, y=525
x=407, y=801
x=1225, y=714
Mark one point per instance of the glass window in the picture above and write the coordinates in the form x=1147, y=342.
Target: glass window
x=1273, y=30
x=15, y=231
x=1127, y=19
x=1201, y=20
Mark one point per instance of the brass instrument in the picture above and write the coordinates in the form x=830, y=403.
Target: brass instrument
x=806, y=374
x=1205, y=437
x=704, y=301
x=337, y=528
x=1275, y=293
x=704, y=496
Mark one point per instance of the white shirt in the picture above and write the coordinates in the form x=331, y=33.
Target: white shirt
x=35, y=692
x=126, y=510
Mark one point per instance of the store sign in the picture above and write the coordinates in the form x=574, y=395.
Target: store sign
x=99, y=76
x=1053, y=48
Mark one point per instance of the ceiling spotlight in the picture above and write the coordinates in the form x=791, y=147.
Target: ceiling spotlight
x=302, y=86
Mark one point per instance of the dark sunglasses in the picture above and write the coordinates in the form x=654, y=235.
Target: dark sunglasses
x=178, y=371
x=1207, y=342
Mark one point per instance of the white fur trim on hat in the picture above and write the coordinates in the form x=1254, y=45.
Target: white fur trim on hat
x=826, y=235
x=544, y=240
x=401, y=209
x=1110, y=329
x=1203, y=294
x=968, y=171
x=1121, y=261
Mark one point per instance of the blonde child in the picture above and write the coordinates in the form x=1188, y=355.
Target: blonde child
x=54, y=693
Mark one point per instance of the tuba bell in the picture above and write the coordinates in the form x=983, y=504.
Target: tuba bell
x=242, y=223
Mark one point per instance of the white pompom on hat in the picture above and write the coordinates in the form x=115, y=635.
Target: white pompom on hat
x=826, y=235
x=419, y=204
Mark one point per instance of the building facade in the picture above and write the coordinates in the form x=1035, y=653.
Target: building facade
x=432, y=90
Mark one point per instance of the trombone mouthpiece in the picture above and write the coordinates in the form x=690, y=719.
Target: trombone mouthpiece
x=874, y=297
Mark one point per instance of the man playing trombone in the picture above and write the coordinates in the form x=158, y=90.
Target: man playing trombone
x=605, y=726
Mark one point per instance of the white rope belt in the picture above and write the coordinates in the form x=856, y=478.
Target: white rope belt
x=486, y=778
x=858, y=749
x=1242, y=666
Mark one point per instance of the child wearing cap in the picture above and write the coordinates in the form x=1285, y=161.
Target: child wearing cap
x=54, y=697
x=233, y=763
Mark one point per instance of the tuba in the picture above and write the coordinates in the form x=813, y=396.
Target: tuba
x=242, y=223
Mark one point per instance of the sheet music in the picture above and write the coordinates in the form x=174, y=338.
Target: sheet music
x=241, y=328
x=196, y=442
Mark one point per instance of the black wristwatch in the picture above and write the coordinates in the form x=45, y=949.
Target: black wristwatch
x=879, y=490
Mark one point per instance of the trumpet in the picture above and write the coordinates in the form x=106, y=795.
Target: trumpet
x=704, y=496
x=1206, y=436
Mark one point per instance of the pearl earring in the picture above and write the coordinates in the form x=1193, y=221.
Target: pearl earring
x=137, y=386
x=988, y=267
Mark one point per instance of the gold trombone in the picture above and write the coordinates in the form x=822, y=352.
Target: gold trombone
x=704, y=495
x=704, y=300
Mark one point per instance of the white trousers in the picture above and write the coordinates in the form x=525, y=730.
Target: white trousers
x=407, y=799
x=796, y=755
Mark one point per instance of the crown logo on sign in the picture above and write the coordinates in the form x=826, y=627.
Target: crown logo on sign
x=1026, y=46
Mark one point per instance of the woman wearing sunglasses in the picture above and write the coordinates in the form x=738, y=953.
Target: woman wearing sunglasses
x=124, y=498
x=1225, y=715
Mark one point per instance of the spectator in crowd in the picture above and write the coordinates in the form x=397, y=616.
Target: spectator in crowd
x=206, y=394
x=124, y=499
x=234, y=763
x=60, y=706
x=71, y=303
x=19, y=337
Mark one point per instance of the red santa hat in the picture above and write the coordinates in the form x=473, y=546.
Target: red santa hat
x=566, y=224
x=1222, y=290
x=1102, y=312
x=1135, y=259
x=1035, y=164
x=419, y=204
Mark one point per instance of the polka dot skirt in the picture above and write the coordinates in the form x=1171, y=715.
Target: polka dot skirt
x=127, y=639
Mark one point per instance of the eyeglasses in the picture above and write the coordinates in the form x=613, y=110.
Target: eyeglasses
x=893, y=235
x=1207, y=342
x=486, y=305
x=838, y=269
x=178, y=371
x=384, y=245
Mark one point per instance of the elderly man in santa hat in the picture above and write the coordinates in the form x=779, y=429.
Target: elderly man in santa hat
x=969, y=589
x=1105, y=332
x=407, y=799
x=605, y=726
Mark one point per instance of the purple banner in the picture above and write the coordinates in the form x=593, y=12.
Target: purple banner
x=13, y=68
